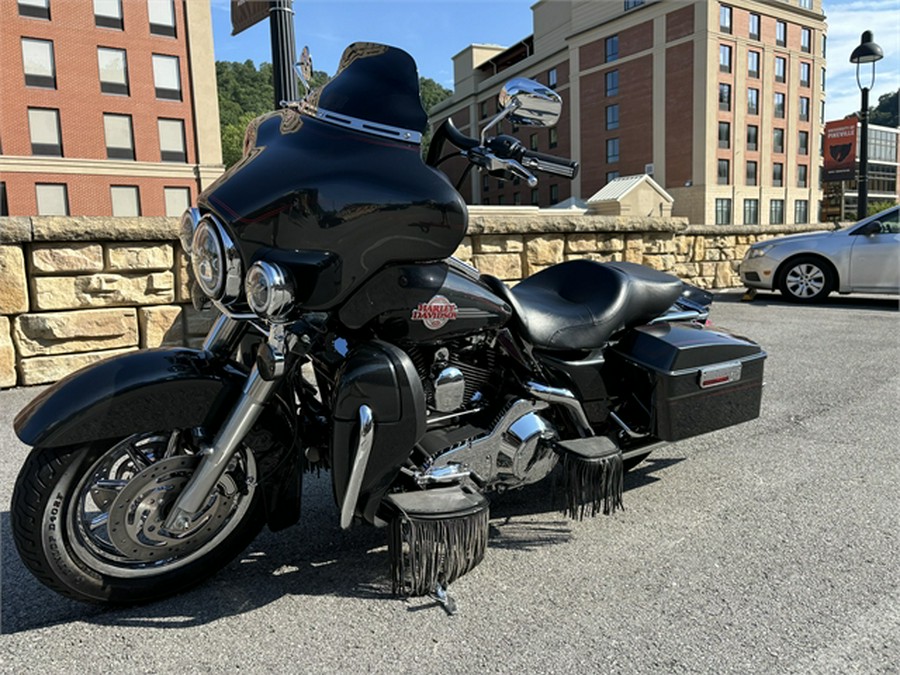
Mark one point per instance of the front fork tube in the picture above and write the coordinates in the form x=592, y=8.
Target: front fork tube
x=216, y=456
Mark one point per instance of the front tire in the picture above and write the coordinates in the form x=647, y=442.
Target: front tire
x=88, y=520
x=806, y=279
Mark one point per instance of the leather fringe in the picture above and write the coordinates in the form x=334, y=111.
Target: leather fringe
x=592, y=485
x=424, y=552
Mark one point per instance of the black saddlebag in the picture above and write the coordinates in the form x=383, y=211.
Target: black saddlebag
x=684, y=380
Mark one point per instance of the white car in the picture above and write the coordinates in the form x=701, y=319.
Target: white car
x=862, y=258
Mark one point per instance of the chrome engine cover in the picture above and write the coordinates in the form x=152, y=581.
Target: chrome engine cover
x=516, y=452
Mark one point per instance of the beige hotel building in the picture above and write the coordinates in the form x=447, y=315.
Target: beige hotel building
x=107, y=107
x=721, y=102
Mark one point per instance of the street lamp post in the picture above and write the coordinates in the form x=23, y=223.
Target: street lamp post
x=867, y=52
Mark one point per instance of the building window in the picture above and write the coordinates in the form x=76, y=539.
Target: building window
x=723, y=172
x=43, y=126
x=806, y=4
x=805, y=40
x=781, y=33
x=631, y=4
x=822, y=83
x=119, y=136
x=725, y=19
x=178, y=199
x=38, y=63
x=801, y=211
x=484, y=109
x=824, y=45
x=779, y=105
x=777, y=174
x=805, y=69
x=754, y=27
x=35, y=9
x=612, y=150
x=126, y=200
x=753, y=64
x=162, y=17
x=803, y=143
x=4, y=205
x=612, y=83
x=554, y=194
x=517, y=198
x=724, y=135
x=52, y=199
x=752, y=137
x=822, y=112
x=171, y=140
x=752, y=102
x=776, y=212
x=533, y=142
x=724, y=96
x=611, y=176
x=751, y=173
x=778, y=140
x=612, y=117
x=802, y=177
x=723, y=212
x=108, y=14
x=804, y=109
x=113, y=67
x=552, y=78
x=612, y=48
x=554, y=137
x=724, y=59
x=535, y=197
x=485, y=183
x=751, y=212
x=167, y=77
x=780, y=69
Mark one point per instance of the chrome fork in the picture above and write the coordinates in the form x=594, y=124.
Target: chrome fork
x=215, y=456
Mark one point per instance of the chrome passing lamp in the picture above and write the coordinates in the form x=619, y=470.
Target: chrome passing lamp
x=868, y=51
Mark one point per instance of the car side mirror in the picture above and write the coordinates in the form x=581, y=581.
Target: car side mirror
x=871, y=228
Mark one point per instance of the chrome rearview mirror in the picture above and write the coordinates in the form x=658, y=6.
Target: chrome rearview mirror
x=527, y=103
x=532, y=103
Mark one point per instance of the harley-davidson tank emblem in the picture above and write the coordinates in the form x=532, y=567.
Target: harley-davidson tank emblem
x=436, y=312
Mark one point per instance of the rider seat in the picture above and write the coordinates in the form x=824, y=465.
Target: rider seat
x=580, y=304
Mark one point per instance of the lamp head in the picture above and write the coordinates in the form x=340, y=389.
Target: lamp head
x=868, y=50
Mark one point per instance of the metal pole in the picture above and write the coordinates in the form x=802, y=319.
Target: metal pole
x=284, y=51
x=862, y=182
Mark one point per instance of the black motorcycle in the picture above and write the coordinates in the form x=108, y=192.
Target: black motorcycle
x=419, y=383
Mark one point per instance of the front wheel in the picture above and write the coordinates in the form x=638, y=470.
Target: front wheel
x=806, y=279
x=89, y=521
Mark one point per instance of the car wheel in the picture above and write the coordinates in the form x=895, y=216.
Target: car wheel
x=806, y=279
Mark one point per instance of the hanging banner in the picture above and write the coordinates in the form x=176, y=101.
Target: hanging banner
x=245, y=13
x=840, y=150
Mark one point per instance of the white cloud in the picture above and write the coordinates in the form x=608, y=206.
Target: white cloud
x=846, y=22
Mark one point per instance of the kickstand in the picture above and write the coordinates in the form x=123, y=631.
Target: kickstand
x=443, y=597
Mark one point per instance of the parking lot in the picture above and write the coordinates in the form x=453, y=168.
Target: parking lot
x=769, y=547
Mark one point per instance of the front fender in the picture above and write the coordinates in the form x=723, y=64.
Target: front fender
x=127, y=394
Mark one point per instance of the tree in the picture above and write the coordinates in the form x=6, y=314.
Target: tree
x=431, y=93
x=887, y=112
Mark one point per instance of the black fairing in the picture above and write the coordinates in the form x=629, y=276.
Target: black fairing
x=382, y=377
x=397, y=301
x=335, y=205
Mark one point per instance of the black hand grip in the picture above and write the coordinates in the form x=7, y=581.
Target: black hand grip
x=549, y=164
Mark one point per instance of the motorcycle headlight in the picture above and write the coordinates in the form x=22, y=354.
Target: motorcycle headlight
x=269, y=291
x=215, y=261
x=189, y=222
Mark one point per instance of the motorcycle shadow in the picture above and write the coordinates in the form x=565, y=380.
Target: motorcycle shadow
x=313, y=558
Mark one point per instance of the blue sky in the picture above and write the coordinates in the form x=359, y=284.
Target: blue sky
x=433, y=31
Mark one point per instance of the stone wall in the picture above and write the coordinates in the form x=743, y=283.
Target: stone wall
x=76, y=290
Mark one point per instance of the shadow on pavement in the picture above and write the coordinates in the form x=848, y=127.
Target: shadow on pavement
x=886, y=303
x=313, y=558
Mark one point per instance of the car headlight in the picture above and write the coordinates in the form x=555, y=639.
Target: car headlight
x=215, y=261
x=269, y=290
x=759, y=252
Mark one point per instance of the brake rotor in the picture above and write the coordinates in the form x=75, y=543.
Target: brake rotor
x=137, y=517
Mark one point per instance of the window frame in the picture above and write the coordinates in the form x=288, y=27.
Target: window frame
x=752, y=212
x=772, y=211
x=110, y=87
x=46, y=149
x=725, y=52
x=111, y=21
x=118, y=152
x=609, y=76
x=65, y=198
x=723, y=172
x=777, y=174
x=754, y=145
x=611, y=48
x=162, y=30
x=726, y=88
x=777, y=140
x=36, y=9
x=34, y=80
x=751, y=71
x=778, y=110
x=612, y=117
x=752, y=101
x=167, y=93
x=723, y=211
x=780, y=33
x=725, y=19
x=757, y=20
x=135, y=190
x=725, y=143
x=613, y=150
x=780, y=69
x=170, y=155
x=751, y=178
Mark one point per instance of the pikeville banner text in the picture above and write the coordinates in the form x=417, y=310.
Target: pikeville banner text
x=840, y=150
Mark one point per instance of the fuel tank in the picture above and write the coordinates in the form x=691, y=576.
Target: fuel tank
x=425, y=303
x=321, y=194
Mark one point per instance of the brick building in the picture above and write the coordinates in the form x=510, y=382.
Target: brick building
x=107, y=107
x=720, y=102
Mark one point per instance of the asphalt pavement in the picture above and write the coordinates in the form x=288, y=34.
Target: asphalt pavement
x=771, y=547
